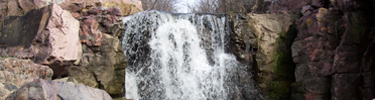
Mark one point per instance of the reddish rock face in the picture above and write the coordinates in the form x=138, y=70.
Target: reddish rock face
x=332, y=44
x=103, y=62
x=332, y=48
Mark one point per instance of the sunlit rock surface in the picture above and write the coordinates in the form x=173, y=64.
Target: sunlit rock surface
x=15, y=73
x=54, y=90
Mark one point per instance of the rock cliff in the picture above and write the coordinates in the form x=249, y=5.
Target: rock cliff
x=73, y=39
x=315, y=49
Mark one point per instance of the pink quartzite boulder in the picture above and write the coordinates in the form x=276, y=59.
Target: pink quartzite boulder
x=15, y=73
x=49, y=36
x=79, y=36
x=53, y=90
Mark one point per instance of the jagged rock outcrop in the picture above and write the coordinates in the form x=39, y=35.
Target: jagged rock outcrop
x=271, y=36
x=48, y=35
x=75, y=7
x=331, y=50
x=54, y=90
x=295, y=5
x=78, y=39
x=103, y=62
x=15, y=73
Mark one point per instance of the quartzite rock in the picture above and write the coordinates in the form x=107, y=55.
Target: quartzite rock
x=53, y=90
x=62, y=31
x=333, y=44
x=15, y=73
x=103, y=62
x=49, y=36
x=272, y=34
x=22, y=7
x=290, y=5
x=313, y=53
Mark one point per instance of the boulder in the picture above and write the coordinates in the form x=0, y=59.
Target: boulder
x=48, y=35
x=15, y=73
x=54, y=90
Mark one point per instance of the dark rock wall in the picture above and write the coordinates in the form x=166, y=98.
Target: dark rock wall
x=333, y=49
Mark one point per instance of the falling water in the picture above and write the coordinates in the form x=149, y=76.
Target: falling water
x=179, y=57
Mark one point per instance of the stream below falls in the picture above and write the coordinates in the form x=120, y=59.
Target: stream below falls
x=182, y=57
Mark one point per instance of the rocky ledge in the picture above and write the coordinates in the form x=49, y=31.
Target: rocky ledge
x=42, y=41
x=312, y=49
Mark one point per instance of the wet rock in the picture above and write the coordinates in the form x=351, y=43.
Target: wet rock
x=15, y=73
x=46, y=90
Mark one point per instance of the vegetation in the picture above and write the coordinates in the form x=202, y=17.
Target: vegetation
x=164, y=5
x=226, y=6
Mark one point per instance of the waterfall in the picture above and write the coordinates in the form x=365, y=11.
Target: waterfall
x=179, y=57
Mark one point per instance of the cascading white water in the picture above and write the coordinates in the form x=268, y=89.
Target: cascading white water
x=178, y=57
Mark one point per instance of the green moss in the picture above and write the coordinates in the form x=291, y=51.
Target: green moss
x=116, y=86
x=284, y=66
x=279, y=90
x=230, y=12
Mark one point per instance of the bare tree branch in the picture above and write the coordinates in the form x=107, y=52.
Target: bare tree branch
x=164, y=5
x=228, y=6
